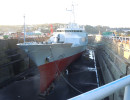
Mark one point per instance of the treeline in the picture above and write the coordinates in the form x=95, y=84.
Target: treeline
x=96, y=29
x=45, y=28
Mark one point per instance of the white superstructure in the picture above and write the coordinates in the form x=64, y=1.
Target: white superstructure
x=70, y=34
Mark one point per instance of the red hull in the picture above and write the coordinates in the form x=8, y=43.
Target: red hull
x=49, y=71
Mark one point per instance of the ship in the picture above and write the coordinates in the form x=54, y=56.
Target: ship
x=52, y=57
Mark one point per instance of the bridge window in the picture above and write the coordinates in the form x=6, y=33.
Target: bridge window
x=60, y=30
x=69, y=31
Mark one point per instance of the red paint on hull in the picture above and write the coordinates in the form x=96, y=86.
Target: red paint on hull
x=49, y=71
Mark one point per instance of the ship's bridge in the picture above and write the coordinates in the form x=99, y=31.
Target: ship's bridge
x=75, y=35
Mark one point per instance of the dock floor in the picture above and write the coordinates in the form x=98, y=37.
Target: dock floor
x=80, y=77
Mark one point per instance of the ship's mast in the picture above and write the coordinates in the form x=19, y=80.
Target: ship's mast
x=24, y=30
x=73, y=13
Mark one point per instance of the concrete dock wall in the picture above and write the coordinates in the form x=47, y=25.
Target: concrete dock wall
x=114, y=60
x=12, y=60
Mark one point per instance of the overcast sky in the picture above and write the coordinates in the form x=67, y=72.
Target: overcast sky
x=113, y=13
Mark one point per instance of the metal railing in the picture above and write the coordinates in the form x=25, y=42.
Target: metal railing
x=119, y=38
x=107, y=90
x=123, y=40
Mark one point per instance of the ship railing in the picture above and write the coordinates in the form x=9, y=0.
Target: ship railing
x=106, y=90
x=31, y=43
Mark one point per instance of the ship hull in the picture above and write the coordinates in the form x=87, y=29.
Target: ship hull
x=51, y=59
x=50, y=71
x=42, y=54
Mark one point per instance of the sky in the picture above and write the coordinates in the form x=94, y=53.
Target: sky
x=113, y=13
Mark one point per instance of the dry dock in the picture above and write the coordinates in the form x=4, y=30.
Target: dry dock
x=107, y=59
x=78, y=78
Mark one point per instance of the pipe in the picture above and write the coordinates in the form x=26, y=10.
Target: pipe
x=104, y=91
x=127, y=93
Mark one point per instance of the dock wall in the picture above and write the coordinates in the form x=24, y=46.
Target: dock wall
x=114, y=59
x=12, y=60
